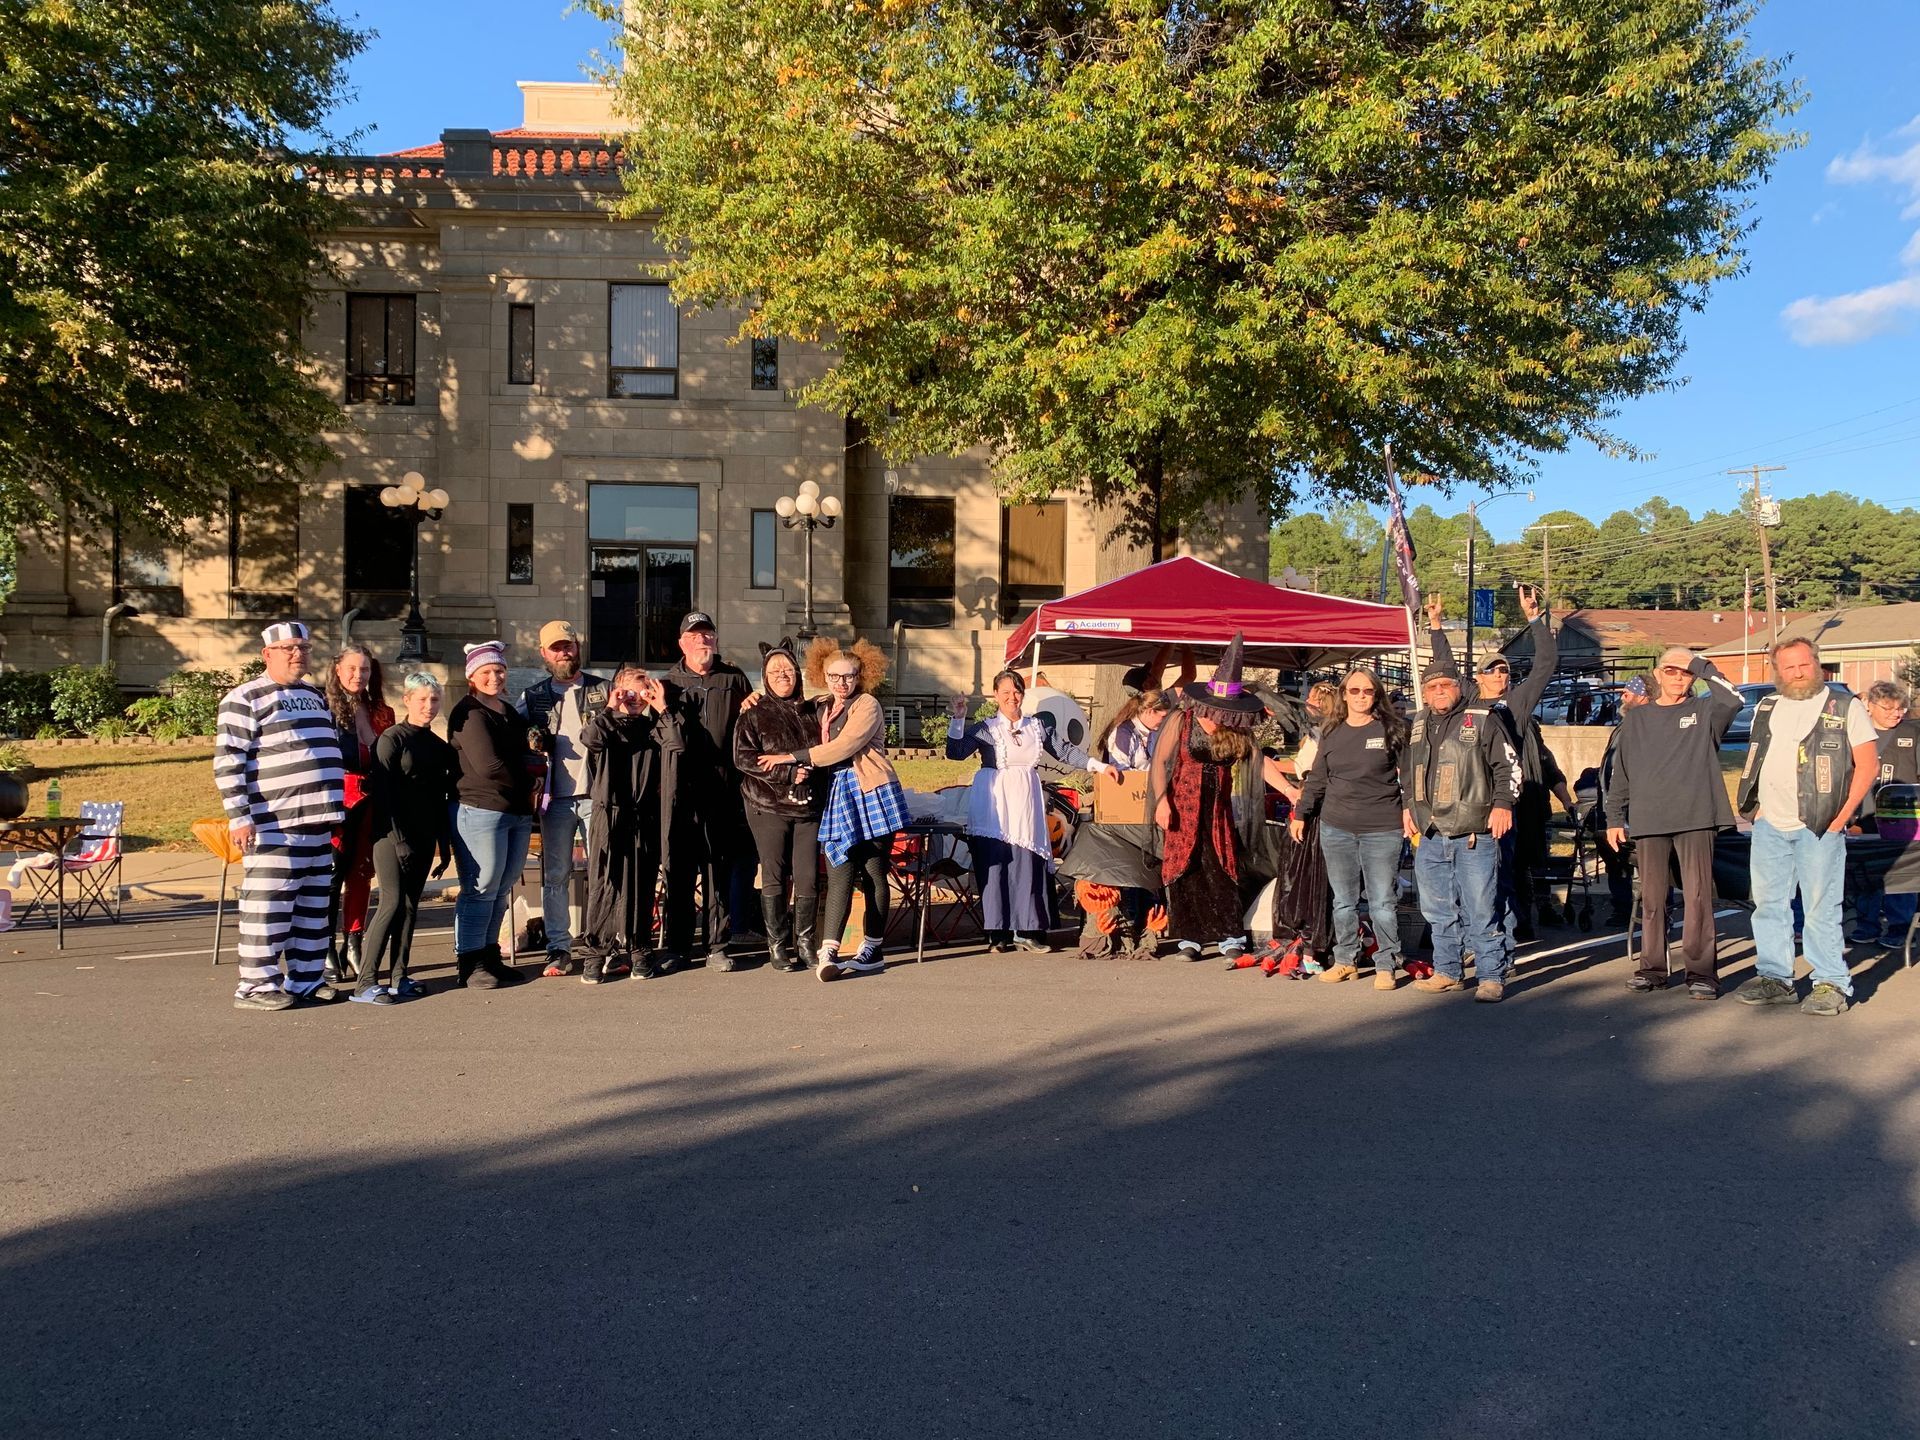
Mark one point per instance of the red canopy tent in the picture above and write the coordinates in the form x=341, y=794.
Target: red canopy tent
x=1188, y=602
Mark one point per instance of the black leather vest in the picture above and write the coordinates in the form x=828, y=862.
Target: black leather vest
x=1451, y=787
x=1825, y=762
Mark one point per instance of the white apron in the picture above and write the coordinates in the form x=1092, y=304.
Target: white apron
x=1005, y=802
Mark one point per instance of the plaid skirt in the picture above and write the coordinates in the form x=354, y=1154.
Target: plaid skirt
x=853, y=815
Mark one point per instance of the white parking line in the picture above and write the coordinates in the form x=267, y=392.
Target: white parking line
x=171, y=954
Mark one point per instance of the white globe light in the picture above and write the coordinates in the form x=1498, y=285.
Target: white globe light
x=391, y=496
x=808, y=487
x=436, y=499
x=413, y=480
x=830, y=507
x=783, y=507
x=805, y=503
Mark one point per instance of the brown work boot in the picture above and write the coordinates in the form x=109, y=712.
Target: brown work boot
x=1334, y=974
x=1490, y=991
x=1438, y=984
x=1385, y=979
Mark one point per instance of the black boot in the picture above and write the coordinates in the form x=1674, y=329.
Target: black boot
x=350, y=957
x=502, y=974
x=779, y=927
x=471, y=976
x=805, y=942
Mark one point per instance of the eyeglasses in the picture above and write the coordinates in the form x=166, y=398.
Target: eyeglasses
x=847, y=675
x=296, y=648
x=1675, y=670
x=1361, y=690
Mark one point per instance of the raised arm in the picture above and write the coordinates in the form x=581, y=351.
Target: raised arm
x=1524, y=698
x=1724, y=700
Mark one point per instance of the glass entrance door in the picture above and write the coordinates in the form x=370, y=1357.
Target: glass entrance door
x=639, y=594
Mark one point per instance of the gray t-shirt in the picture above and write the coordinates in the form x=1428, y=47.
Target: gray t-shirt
x=568, y=760
x=1792, y=722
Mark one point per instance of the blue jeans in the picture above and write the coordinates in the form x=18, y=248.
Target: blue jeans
x=1875, y=908
x=557, y=828
x=1374, y=858
x=490, y=849
x=1459, y=894
x=1783, y=861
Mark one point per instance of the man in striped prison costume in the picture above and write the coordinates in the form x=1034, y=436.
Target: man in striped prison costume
x=276, y=761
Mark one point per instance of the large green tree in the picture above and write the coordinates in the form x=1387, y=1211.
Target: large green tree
x=157, y=245
x=1176, y=253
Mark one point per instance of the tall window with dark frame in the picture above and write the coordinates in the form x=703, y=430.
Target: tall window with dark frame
x=643, y=342
x=1033, y=556
x=377, y=559
x=146, y=571
x=920, y=561
x=263, y=551
x=765, y=569
x=380, y=331
x=766, y=363
x=520, y=544
x=520, y=344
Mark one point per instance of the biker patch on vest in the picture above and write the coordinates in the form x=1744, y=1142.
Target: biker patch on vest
x=1448, y=789
x=1419, y=730
x=1823, y=773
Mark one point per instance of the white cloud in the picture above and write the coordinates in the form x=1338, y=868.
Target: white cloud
x=1849, y=319
x=1879, y=309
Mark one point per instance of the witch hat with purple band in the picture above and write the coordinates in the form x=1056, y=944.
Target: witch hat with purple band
x=1224, y=699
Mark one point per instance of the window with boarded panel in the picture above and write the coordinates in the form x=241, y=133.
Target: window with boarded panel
x=1033, y=556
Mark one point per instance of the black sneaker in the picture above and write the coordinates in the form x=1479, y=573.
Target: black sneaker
x=616, y=966
x=559, y=963
x=661, y=964
x=865, y=961
x=263, y=1000
x=590, y=972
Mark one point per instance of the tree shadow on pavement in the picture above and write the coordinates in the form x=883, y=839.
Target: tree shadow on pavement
x=1446, y=1220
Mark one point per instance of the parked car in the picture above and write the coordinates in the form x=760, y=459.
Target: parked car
x=1740, y=730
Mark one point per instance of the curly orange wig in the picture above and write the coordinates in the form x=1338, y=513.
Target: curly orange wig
x=873, y=662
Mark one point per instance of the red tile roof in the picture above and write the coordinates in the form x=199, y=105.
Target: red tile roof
x=437, y=151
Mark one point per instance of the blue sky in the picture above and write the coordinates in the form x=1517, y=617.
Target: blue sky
x=1811, y=359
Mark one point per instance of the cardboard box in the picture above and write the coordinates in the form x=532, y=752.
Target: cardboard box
x=1122, y=801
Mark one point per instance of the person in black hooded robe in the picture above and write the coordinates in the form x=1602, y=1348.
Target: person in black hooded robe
x=633, y=745
x=783, y=806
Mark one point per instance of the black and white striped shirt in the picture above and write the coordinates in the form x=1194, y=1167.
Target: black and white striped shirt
x=276, y=758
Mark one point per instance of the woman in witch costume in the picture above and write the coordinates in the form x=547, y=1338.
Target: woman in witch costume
x=1193, y=788
x=783, y=806
x=1007, y=813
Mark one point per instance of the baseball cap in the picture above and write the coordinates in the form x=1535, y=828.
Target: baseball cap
x=696, y=620
x=1496, y=662
x=556, y=630
x=1439, y=671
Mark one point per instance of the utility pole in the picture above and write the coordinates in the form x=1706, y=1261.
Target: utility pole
x=1766, y=515
x=1546, y=563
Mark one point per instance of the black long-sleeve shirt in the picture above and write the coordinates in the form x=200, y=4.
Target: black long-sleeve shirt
x=1354, y=781
x=1516, y=707
x=411, y=780
x=1666, y=762
x=491, y=748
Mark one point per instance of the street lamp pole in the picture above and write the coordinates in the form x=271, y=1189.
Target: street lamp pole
x=806, y=510
x=420, y=505
x=1473, y=531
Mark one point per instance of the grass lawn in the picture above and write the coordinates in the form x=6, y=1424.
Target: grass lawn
x=168, y=787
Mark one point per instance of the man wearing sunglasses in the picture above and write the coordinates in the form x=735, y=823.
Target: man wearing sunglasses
x=1666, y=791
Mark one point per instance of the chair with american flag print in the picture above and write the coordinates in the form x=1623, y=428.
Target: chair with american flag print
x=92, y=866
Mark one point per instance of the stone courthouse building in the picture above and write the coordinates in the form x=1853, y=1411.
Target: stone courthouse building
x=609, y=459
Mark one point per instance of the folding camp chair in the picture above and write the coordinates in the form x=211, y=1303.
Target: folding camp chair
x=94, y=865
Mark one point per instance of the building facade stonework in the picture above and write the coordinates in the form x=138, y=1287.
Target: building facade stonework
x=610, y=459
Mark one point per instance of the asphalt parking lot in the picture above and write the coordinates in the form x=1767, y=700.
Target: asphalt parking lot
x=1007, y=1195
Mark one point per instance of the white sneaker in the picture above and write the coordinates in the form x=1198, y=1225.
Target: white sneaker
x=829, y=967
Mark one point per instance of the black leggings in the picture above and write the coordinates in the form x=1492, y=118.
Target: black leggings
x=865, y=866
x=391, y=927
x=789, y=854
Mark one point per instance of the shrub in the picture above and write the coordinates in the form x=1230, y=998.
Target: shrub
x=48, y=731
x=150, y=712
x=893, y=735
x=85, y=696
x=933, y=730
x=25, y=699
x=986, y=709
x=196, y=699
x=114, y=727
x=13, y=756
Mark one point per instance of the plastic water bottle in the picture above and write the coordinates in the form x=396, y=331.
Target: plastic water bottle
x=53, y=798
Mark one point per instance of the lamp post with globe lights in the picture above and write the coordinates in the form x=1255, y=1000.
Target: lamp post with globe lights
x=807, y=510
x=418, y=504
